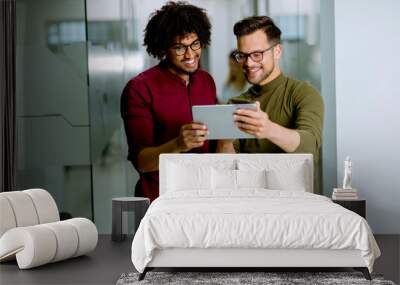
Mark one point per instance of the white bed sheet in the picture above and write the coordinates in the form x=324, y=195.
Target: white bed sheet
x=251, y=218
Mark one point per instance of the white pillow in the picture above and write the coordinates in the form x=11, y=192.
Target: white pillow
x=292, y=178
x=228, y=179
x=251, y=178
x=281, y=174
x=183, y=177
x=224, y=179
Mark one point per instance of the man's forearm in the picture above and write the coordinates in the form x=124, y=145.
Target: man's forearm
x=286, y=139
x=148, y=158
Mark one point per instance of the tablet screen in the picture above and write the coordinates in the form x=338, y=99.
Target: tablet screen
x=219, y=120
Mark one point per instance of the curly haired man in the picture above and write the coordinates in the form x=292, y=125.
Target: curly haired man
x=156, y=104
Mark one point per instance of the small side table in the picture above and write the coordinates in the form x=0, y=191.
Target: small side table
x=357, y=206
x=138, y=205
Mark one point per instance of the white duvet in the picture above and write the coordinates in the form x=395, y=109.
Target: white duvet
x=252, y=218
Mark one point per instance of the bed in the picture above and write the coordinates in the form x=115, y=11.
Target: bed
x=247, y=211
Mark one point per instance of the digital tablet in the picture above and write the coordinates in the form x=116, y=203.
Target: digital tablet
x=219, y=120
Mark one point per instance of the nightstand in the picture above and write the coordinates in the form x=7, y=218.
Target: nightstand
x=357, y=206
x=138, y=205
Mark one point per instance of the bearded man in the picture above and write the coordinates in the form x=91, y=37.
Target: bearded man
x=289, y=114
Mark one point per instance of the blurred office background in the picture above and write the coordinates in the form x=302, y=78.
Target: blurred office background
x=74, y=58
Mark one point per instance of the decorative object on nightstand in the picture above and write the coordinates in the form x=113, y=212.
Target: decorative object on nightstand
x=138, y=205
x=346, y=192
x=347, y=196
x=358, y=206
x=347, y=177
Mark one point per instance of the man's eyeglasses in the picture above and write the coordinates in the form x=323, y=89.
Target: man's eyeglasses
x=180, y=49
x=256, y=56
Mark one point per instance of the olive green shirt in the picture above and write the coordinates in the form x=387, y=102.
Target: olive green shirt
x=291, y=103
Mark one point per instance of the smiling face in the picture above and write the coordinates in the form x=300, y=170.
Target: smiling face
x=188, y=62
x=259, y=73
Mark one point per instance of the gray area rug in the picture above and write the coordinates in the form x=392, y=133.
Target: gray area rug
x=231, y=278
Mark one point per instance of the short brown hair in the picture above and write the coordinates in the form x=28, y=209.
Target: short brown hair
x=251, y=24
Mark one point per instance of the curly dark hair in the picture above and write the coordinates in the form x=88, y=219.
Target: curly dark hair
x=175, y=19
x=252, y=24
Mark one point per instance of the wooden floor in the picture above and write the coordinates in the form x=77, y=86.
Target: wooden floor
x=111, y=259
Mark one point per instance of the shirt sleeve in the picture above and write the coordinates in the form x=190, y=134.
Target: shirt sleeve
x=309, y=119
x=236, y=145
x=137, y=116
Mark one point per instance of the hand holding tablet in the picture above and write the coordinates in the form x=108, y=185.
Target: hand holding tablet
x=219, y=120
x=191, y=136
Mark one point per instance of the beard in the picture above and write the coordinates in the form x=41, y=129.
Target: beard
x=262, y=77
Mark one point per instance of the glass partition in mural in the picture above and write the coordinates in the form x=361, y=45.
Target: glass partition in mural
x=113, y=58
x=52, y=102
x=301, y=59
x=299, y=22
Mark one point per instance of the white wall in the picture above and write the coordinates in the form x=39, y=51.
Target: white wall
x=367, y=44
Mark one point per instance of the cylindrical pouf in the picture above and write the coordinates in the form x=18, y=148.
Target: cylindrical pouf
x=36, y=244
x=45, y=205
x=23, y=208
x=67, y=239
x=52, y=242
x=7, y=218
x=33, y=246
x=87, y=234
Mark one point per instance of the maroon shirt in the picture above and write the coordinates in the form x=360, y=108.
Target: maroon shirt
x=154, y=106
